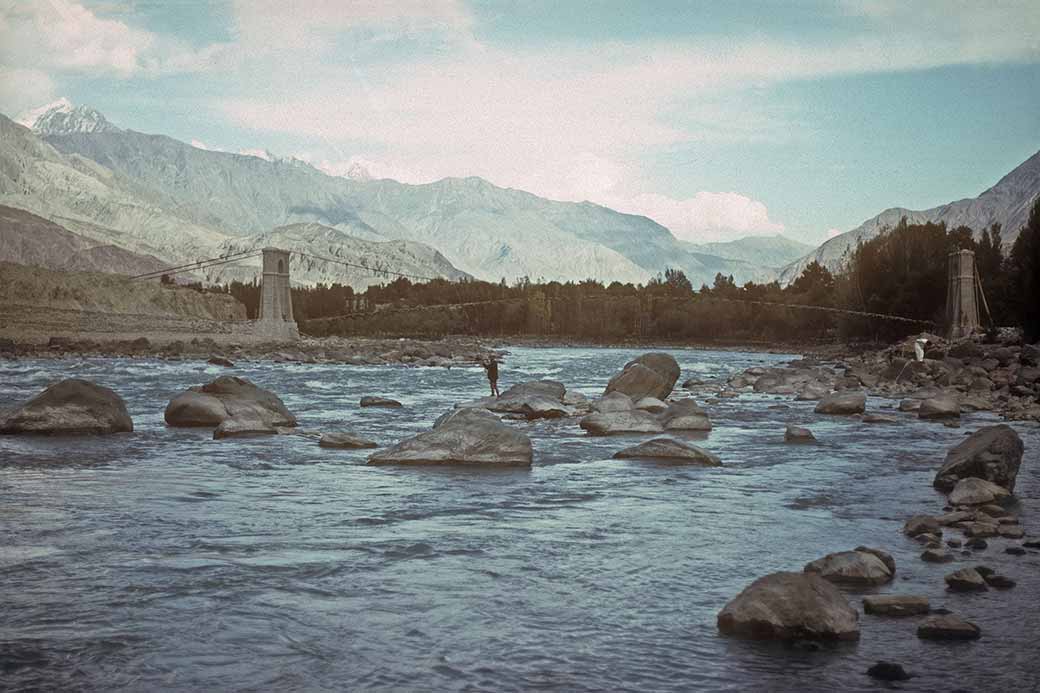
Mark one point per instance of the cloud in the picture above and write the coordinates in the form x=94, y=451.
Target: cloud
x=23, y=90
x=64, y=35
x=707, y=216
x=832, y=232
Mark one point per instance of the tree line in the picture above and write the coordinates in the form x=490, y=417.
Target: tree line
x=902, y=271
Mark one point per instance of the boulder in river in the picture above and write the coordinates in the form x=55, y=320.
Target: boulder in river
x=798, y=434
x=790, y=606
x=972, y=491
x=650, y=375
x=242, y=428
x=462, y=437
x=670, y=450
x=879, y=419
x=220, y=361
x=536, y=399
x=843, y=403
x=372, y=401
x=858, y=568
x=813, y=392
x=942, y=407
x=947, y=627
x=613, y=402
x=685, y=415
x=621, y=422
x=921, y=524
x=652, y=405
x=888, y=671
x=70, y=407
x=993, y=453
x=897, y=605
x=965, y=580
x=227, y=397
x=343, y=440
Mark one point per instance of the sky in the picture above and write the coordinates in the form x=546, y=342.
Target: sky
x=716, y=119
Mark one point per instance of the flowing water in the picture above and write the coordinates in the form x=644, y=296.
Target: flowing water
x=167, y=560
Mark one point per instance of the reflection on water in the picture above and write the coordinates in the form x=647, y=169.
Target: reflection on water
x=165, y=559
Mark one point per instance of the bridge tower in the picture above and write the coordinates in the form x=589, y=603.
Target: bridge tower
x=962, y=310
x=276, y=312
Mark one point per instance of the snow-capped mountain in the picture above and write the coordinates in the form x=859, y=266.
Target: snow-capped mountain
x=62, y=118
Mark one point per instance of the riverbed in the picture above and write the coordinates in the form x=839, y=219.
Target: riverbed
x=164, y=559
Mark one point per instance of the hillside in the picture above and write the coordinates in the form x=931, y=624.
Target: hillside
x=1006, y=203
x=27, y=239
x=764, y=251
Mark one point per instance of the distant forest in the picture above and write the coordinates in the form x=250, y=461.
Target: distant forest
x=901, y=272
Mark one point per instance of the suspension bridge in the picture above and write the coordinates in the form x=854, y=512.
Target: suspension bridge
x=963, y=295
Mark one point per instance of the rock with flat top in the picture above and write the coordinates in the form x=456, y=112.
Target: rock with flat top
x=613, y=402
x=70, y=407
x=243, y=428
x=621, y=422
x=897, y=605
x=347, y=441
x=973, y=491
x=652, y=405
x=371, y=401
x=670, y=450
x=921, y=524
x=943, y=407
x=844, y=403
x=947, y=627
x=966, y=580
x=685, y=415
x=790, y=606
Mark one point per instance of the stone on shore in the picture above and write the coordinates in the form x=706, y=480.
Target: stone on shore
x=242, y=428
x=896, y=605
x=670, y=450
x=790, y=606
x=973, y=491
x=947, y=627
x=858, y=568
x=371, y=401
x=70, y=407
x=993, y=453
x=462, y=437
x=347, y=441
x=942, y=407
x=227, y=397
x=798, y=434
x=843, y=403
x=650, y=375
x=620, y=422
x=966, y=580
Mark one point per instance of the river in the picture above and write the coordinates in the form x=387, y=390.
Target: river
x=166, y=560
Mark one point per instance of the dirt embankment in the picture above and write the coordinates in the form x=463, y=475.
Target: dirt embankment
x=37, y=303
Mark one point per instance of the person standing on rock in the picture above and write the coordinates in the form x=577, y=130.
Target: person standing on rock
x=491, y=366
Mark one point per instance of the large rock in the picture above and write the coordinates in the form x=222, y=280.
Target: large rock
x=858, y=568
x=650, y=375
x=895, y=605
x=921, y=524
x=671, y=450
x=621, y=422
x=947, y=627
x=227, y=397
x=70, y=407
x=972, y=491
x=685, y=415
x=466, y=437
x=966, y=580
x=944, y=407
x=385, y=402
x=537, y=399
x=993, y=453
x=843, y=403
x=790, y=606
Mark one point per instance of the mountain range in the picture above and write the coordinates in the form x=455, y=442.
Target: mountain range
x=1007, y=203
x=163, y=199
x=157, y=196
